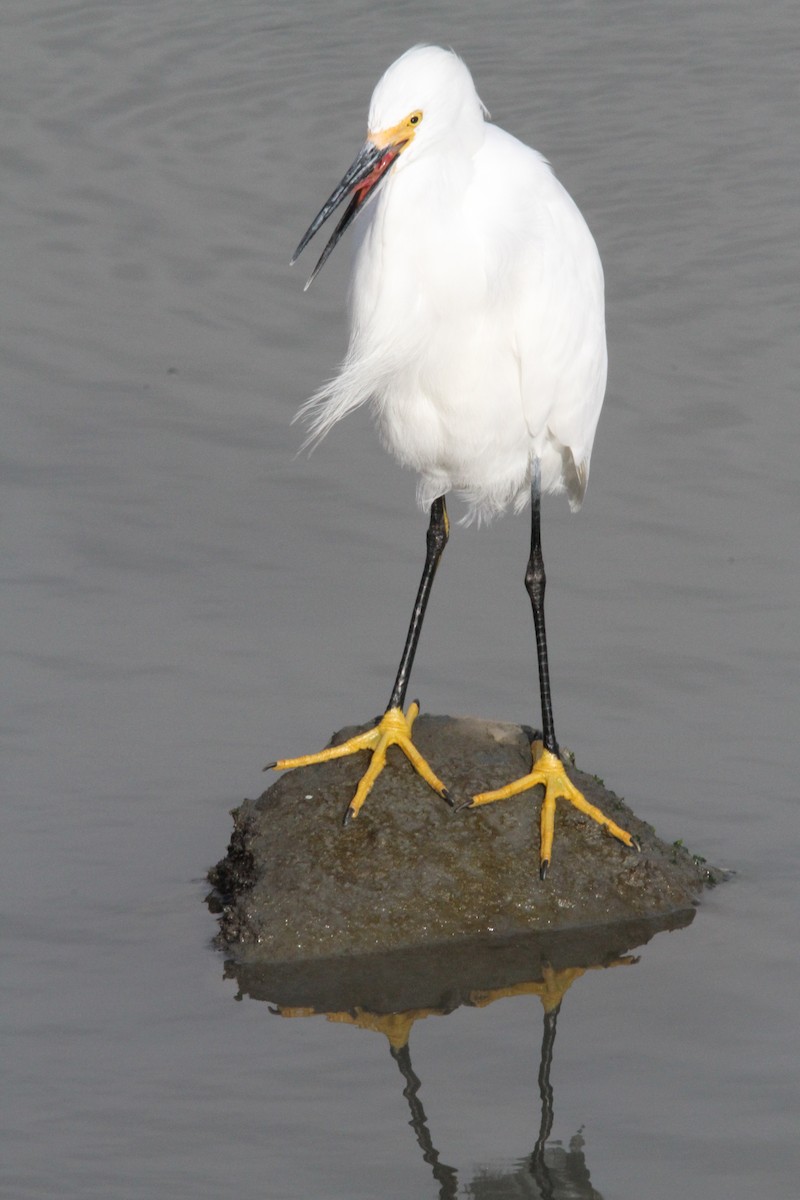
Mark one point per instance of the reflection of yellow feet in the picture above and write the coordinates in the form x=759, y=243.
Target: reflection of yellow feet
x=551, y=988
x=393, y=729
x=548, y=769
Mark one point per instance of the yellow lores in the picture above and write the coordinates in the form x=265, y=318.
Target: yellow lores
x=399, y=134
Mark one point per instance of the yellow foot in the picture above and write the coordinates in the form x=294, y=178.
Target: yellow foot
x=549, y=770
x=393, y=729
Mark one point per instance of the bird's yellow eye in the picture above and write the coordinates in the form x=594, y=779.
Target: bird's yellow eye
x=415, y=118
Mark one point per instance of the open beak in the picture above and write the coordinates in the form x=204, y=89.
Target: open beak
x=366, y=172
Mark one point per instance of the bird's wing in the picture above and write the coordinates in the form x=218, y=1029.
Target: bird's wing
x=554, y=288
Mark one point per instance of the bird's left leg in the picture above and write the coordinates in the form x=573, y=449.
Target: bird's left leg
x=394, y=727
x=548, y=769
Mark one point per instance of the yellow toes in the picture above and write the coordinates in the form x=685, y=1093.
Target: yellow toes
x=549, y=771
x=393, y=729
x=361, y=741
x=376, y=765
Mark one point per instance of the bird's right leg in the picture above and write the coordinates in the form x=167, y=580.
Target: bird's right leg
x=548, y=769
x=394, y=727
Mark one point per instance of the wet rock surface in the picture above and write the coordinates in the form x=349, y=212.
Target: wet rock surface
x=411, y=872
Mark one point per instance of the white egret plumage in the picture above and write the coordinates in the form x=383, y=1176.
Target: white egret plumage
x=478, y=338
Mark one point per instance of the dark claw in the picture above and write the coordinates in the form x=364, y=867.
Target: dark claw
x=543, y=869
x=446, y=796
x=637, y=845
x=464, y=804
x=348, y=816
x=271, y=766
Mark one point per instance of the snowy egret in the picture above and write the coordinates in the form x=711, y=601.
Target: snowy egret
x=478, y=337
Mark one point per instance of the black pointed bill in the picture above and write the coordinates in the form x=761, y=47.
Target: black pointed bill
x=364, y=175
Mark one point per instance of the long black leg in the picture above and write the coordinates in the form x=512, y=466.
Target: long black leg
x=548, y=768
x=535, y=582
x=394, y=727
x=438, y=531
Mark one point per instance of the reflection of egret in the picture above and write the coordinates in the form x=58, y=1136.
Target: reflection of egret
x=478, y=335
x=549, y=1172
x=446, y=1177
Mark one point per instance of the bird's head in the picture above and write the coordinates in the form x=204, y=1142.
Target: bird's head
x=424, y=99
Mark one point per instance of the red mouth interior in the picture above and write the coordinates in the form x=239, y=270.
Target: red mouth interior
x=380, y=168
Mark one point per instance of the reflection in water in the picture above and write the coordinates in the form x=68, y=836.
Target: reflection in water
x=538, y=1167
x=434, y=983
x=445, y=1176
x=548, y=1172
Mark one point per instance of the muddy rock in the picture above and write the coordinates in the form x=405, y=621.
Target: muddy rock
x=412, y=872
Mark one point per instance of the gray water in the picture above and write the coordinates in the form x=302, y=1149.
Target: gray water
x=184, y=599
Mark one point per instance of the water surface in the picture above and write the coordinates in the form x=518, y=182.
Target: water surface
x=185, y=599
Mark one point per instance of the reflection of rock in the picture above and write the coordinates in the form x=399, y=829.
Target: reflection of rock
x=403, y=986
x=550, y=1171
x=296, y=885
